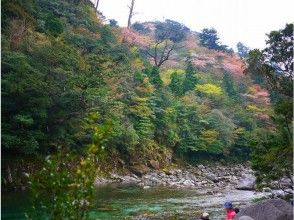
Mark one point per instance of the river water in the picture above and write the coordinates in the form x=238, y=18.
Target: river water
x=132, y=202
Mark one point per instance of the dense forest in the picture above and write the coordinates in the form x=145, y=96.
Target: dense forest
x=80, y=91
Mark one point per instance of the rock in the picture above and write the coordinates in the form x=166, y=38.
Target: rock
x=212, y=177
x=285, y=183
x=188, y=183
x=272, y=209
x=247, y=182
x=139, y=170
x=146, y=187
x=201, y=167
x=245, y=217
x=266, y=189
x=154, y=164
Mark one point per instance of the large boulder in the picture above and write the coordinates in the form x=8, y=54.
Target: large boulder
x=272, y=209
x=247, y=182
x=139, y=169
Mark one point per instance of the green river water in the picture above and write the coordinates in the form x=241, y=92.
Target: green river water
x=132, y=202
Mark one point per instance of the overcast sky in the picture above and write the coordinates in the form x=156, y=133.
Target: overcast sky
x=235, y=20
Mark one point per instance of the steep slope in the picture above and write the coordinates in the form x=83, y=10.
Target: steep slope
x=69, y=81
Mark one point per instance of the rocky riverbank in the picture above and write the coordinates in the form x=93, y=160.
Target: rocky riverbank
x=239, y=176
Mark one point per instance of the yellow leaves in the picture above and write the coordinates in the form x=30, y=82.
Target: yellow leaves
x=209, y=136
x=239, y=131
x=254, y=108
x=209, y=89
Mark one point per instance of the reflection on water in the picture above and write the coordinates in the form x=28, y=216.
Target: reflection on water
x=132, y=202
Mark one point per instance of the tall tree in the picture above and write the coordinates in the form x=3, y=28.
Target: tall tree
x=229, y=86
x=190, y=79
x=131, y=7
x=176, y=84
x=167, y=36
x=210, y=39
x=273, y=151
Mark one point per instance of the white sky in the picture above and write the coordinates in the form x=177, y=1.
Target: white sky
x=235, y=20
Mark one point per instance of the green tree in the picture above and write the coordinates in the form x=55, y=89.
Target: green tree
x=190, y=80
x=154, y=75
x=176, y=84
x=273, y=151
x=229, y=85
x=210, y=39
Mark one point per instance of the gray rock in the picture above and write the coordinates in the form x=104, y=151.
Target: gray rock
x=272, y=209
x=266, y=189
x=245, y=217
x=188, y=183
x=247, y=182
x=212, y=177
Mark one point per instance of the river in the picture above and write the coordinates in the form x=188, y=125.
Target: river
x=133, y=202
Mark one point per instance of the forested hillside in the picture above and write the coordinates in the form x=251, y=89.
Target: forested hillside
x=81, y=96
x=68, y=80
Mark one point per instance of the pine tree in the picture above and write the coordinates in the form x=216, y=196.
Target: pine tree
x=190, y=80
x=176, y=84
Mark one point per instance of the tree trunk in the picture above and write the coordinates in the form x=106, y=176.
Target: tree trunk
x=97, y=3
x=131, y=13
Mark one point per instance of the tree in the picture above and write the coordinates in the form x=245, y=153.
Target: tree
x=113, y=23
x=167, y=35
x=139, y=27
x=176, y=84
x=229, y=86
x=154, y=76
x=210, y=39
x=243, y=51
x=275, y=63
x=97, y=3
x=272, y=154
x=190, y=79
x=131, y=13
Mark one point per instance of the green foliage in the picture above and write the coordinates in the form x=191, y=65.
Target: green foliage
x=272, y=150
x=154, y=76
x=275, y=62
x=53, y=26
x=229, y=86
x=113, y=23
x=170, y=30
x=70, y=86
x=271, y=155
x=176, y=84
x=224, y=126
x=24, y=118
x=190, y=80
x=210, y=39
x=63, y=189
x=140, y=28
